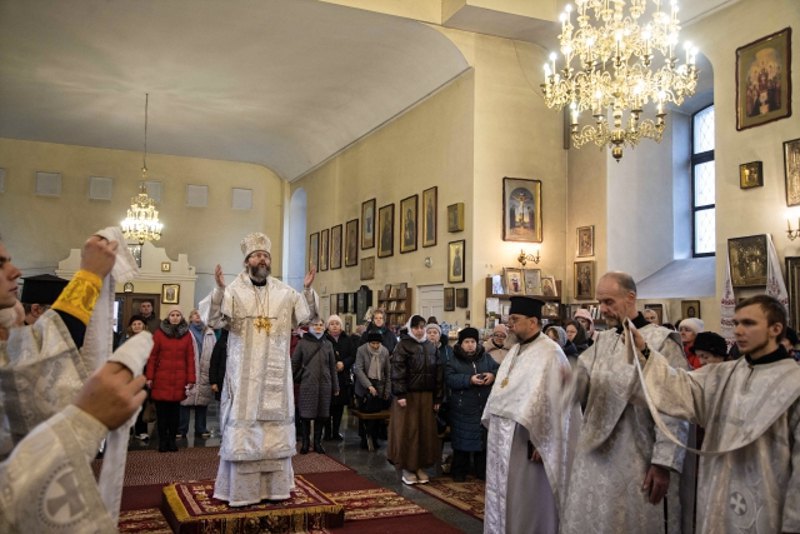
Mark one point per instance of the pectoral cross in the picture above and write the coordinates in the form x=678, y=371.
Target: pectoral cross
x=504, y=383
x=262, y=323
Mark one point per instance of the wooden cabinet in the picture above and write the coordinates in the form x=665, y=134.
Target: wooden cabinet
x=396, y=300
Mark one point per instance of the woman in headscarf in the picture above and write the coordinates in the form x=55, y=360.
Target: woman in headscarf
x=372, y=371
x=170, y=371
x=417, y=385
x=200, y=395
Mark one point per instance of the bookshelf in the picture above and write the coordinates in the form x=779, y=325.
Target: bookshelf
x=397, y=301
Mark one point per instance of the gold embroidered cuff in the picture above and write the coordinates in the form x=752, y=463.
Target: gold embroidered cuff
x=80, y=295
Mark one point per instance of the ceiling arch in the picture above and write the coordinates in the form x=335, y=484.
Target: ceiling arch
x=282, y=83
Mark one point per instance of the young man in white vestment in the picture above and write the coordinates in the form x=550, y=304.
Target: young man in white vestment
x=53, y=411
x=750, y=475
x=624, y=466
x=257, y=404
x=532, y=433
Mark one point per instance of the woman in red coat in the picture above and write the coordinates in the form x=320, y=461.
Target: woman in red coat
x=170, y=370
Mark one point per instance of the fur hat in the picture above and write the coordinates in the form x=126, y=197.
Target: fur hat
x=255, y=242
x=374, y=335
x=469, y=332
x=694, y=324
x=711, y=342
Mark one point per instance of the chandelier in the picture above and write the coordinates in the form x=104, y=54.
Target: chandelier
x=142, y=223
x=621, y=69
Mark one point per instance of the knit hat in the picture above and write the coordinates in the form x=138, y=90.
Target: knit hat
x=175, y=308
x=255, y=242
x=694, y=324
x=711, y=342
x=469, y=332
x=583, y=313
x=374, y=335
x=500, y=328
x=334, y=317
x=137, y=317
x=433, y=326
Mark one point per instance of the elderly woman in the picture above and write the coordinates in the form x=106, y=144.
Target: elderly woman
x=170, y=371
x=469, y=376
x=499, y=343
x=417, y=384
x=344, y=347
x=200, y=395
x=688, y=329
x=314, y=367
x=577, y=334
x=372, y=371
x=378, y=324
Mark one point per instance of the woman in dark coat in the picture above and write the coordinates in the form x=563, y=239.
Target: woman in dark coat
x=219, y=358
x=417, y=385
x=469, y=375
x=314, y=367
x=170, y=371
x=345, y=350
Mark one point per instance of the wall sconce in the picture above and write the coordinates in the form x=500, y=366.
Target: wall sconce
x=525, y=258
x=792, y=234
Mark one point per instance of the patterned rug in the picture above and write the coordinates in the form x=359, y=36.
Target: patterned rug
x=148, y=467
x=466, y=496
x=189, y=508
x=147, y=520
x=374, y=504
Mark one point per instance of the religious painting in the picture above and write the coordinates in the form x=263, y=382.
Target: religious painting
x=748, y=260
x=408, y=224
x=313, y=250
x=455, y=217
x=764, y=80
x=549, y=286
x=449, y=299
x=690, y=308
x=585, y=241
x=368, y=224
x=462, y=297
x=751, y=175
x=791, y=171
x=456, y=261
x=550, y=310
x=533, y=281
x=170, y=293
x=522, y=210
x=368, y=268
x=336, y=247
x=513, y=281
x=793, y=287
x=429, y=208
x=323, y=249
x=351, y=243
x=584, y=280
x=386, y=231
x=659, y=309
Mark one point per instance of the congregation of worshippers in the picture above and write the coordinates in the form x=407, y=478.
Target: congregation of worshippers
x=604, y=420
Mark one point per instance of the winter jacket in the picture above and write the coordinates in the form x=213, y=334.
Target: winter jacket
x=314, y=363
x=345, y=351
x=171, y=363
x=361, y=372
x=200, y=394
x=219, y=358
x=467, y=401
x=416, y=367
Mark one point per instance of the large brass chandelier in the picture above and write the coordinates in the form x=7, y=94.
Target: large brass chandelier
x=622, y=68
x=142, y=222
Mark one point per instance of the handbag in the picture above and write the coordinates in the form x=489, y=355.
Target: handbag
x=371, y=403
x=149, y=411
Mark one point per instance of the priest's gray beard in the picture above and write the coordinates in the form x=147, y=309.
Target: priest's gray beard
x=259, y=273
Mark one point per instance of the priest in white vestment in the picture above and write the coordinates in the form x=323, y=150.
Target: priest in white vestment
x=624, y=466
x=257, y=401
x=532, y=435
x=54, y=411
x=750, y=408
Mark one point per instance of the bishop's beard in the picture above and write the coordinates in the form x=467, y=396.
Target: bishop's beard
x=259, y=273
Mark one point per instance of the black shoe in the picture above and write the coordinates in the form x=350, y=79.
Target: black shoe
x=162, y=447
x=318, y=448
x=173, y=448
x=336, y=437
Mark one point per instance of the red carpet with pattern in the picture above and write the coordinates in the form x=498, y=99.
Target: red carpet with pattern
x=466, y=496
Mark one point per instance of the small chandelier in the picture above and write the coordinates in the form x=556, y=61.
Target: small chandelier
x=142, y=223
x=618, y=71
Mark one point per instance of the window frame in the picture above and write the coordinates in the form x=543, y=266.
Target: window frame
x=695, y=161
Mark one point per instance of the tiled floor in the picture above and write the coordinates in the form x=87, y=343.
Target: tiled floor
x=371, y=465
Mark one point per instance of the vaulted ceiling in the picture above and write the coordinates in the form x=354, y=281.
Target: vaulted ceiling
x=282, y=83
